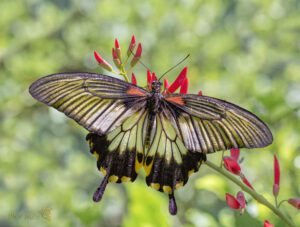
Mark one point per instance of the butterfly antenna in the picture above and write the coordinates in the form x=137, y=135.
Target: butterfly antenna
x=186, y=57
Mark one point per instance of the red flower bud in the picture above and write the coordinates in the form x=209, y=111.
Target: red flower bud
x=137, y=55
x=118, y=50
x=166, y=84
x=184, y=86
x=117, y=44
x=178, y=81
x=276, y=177
x=131, y=46
x=295, y=202
x=114, y=54
x=235, y=153
x=231, y=165
x=104, y=64
x=246, y=182
x=268, y=224
x=154, y=76
x=200, y=93
x=133, y=79
x=232, y=202
x=138, y=52
x=149, y=79
x=116, y=58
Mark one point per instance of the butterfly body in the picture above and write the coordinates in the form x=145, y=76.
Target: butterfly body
x=153, y=105
x=168, y=135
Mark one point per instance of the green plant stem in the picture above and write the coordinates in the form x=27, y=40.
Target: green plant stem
x=221, y=163
x=259, y=198
x=123, y=73
x=282, y=202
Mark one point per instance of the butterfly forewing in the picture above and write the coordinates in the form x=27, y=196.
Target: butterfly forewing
x=208, y=124
x=97, y=102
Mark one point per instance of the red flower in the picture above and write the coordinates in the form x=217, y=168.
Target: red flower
x=232, y=201
x=231, y=165
x=104, y=64
x=179, y=80
x=133, y=79
x=137, y=55
x=276, y=177
x=268, y=224
x=295, y=202
x=184, y=86
x=131, y=46
x=238, y=202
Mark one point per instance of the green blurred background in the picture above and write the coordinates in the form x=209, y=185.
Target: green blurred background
x=246, y=52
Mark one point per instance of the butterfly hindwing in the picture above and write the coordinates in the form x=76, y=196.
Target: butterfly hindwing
x=208, y=124
x=99, y=103
x=120, y=153
x=168, y=163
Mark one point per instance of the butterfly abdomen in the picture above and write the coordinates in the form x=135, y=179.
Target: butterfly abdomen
x=153, y=105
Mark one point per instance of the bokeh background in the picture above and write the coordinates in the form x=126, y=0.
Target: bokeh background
x=244, y=51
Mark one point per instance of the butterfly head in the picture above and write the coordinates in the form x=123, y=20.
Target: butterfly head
x=156, y=86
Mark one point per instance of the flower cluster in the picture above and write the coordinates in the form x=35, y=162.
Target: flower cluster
x=232, y=165
x=180, y=82
x=118, y=59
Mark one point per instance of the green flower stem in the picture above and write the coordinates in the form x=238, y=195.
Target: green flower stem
x=123, y=73
x=125, y=62
x=259, y=198
x=221, y=163
x=276, y=202
x=282, y=202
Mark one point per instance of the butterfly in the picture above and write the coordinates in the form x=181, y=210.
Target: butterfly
x=168, y=135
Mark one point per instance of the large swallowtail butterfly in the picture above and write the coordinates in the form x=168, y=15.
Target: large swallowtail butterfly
x=130, y=127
